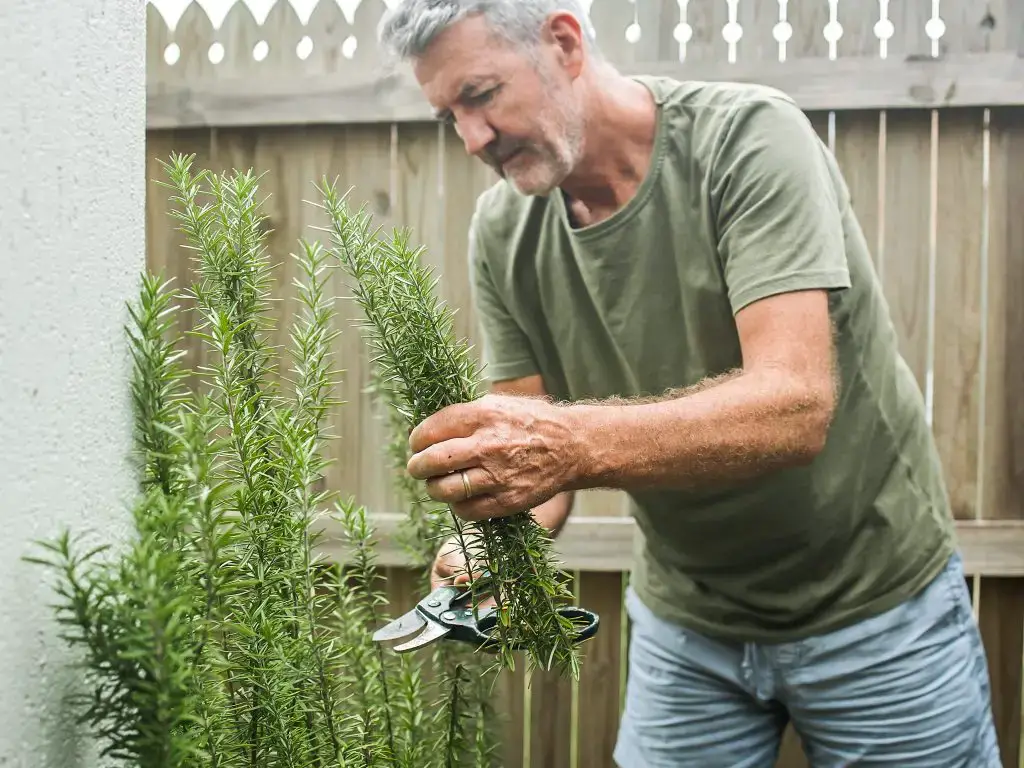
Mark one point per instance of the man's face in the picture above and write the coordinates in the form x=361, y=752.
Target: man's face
x=515, y=111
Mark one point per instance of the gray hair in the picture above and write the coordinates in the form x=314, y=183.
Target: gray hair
x=408, y=28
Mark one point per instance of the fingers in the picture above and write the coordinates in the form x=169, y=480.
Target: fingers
x=443, y=458
x=460, y=486
x=449, y=423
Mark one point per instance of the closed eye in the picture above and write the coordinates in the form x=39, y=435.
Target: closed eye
x=478, y=99
x=469, y=99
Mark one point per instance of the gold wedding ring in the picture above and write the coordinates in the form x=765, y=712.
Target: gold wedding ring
x=465, y=484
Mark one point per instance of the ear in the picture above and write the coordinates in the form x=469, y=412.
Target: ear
x=564, y=32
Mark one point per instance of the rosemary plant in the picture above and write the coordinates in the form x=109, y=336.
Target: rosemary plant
x=216, y=636
x=422, y=368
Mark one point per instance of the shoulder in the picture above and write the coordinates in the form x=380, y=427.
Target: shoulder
x=741, y=132
x=711, y=107
x=713, y=121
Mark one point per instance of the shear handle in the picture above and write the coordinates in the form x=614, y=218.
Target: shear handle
x=585, y=624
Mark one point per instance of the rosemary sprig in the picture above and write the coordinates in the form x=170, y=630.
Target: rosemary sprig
x=422, y=369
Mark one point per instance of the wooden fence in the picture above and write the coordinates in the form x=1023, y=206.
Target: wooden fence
x=922, y=102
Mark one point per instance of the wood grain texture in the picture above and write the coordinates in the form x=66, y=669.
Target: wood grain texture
x=959, y=239
x=511, y=703
x=904, y=260
x=1000, y=616
x=960, y=232
x=599, y=690
x=374, y=96
x=551, y=701
x=858, y=133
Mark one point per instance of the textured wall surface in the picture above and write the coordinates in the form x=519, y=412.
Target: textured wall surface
x=72, y=244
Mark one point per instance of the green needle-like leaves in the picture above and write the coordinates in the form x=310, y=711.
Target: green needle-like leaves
x=421, y=368
x=216, y=636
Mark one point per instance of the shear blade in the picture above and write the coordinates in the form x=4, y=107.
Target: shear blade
x=400, y=627
x=426, y=637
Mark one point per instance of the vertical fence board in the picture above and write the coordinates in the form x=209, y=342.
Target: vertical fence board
x=511, y=702
x=550, y=723
x=859, y=20
x=1001, y=609
x=367, y=174
x=858, y=133
x=465, y=179
x=194, y=34
x=904, y=260
x=420, y=199
x=239, y=34
x=706, y=20
x=599, y=690
x=657, y=20
x=959, y=238
x=367, y=53
x=757, y=20
x=808, y=19
x=611, y=21
x=960, y=226
x=857, y=139
x=158, y=37
x=328, y=30
x=288, y=31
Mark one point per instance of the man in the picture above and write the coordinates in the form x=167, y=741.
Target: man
x=677, y=301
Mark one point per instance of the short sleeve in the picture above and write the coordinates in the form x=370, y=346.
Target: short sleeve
x=506, y=352
x=776, y=204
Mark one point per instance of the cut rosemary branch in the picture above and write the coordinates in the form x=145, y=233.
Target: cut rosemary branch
x=423, y=368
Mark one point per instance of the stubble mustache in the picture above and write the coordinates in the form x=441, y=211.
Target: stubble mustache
x=498, y=152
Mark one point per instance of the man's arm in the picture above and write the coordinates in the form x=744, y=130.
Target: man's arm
x=778, y=218
x=772, y=414
x=522, y=453
x=553, y=513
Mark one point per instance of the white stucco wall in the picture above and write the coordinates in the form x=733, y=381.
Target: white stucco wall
x=72, y=244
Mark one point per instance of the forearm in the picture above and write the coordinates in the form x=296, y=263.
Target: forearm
x=727, y=431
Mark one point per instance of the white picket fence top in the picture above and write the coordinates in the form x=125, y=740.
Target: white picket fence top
x=212, y=60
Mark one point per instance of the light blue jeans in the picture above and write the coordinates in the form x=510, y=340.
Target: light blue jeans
x=905, y=689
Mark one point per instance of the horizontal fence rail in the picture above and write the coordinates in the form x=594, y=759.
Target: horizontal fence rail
x=828, y=55
x=605, y=544
x=919, y=100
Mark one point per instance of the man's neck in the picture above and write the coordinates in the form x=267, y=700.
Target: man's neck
x=618, y=145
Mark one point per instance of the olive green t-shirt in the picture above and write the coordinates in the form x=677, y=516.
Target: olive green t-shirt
x=741, y=201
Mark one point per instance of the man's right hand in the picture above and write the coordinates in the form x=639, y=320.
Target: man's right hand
x=450, y=565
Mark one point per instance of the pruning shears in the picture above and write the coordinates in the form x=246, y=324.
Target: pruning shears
x=447, y=613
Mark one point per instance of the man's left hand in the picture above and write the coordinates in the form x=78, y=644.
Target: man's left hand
x=516, y=453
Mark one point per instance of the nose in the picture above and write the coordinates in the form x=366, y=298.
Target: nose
x=475, y=133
